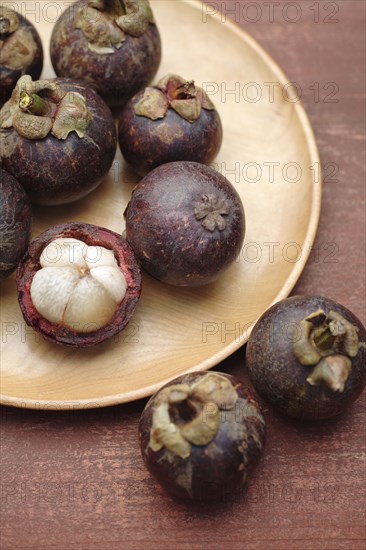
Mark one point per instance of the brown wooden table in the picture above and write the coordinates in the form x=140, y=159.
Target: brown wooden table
x=76, y=480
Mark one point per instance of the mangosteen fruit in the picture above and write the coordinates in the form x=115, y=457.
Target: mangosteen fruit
x=78, y=284
x=307, y=356
x=58, y=139
x=201, y=435
x=20, y=51
x=185, y=223
x=15, y=223
x=174, y=120
x=113, y=46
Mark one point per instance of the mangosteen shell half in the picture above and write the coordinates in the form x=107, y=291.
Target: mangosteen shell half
x=55, y=171
x=92, y=235
x=165, y=223
x=277, y=374
x=15, y=223
x=218, y=469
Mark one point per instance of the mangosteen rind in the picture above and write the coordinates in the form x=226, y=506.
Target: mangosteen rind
x=116, y=73
x=156, y=128
x=162, y=227
x=58, y=171
x=208, y=438
x=15, y=223
x=94, y=236
x=329, y=382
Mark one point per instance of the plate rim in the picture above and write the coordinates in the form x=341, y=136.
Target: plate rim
x=228, y=350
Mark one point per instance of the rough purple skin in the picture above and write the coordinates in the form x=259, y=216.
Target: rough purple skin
x=169, y=241
x=92, y=235
x=54, y=171
x=9, y=77
x=146, y=143
x=217, y=470
x=15, y=223
x=116, y=77
x=279, y=377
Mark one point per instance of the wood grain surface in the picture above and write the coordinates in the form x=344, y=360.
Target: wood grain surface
x=75, y=480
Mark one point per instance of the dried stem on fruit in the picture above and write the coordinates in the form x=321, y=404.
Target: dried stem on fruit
x=190, y=415
x=176, y=93
x=37, y=108
x=105, y=23
x=327, y=342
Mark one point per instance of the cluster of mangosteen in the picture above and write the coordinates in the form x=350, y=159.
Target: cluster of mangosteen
x=184, y=223
x=79, y=284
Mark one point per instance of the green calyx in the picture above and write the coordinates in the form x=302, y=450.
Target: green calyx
x=38, y=108
x=328, y=343
x=173, y=92
x=105, y=23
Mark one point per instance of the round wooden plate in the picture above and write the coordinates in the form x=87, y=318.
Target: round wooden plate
x=269, y=154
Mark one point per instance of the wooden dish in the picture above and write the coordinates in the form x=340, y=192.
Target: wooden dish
x=269, y=154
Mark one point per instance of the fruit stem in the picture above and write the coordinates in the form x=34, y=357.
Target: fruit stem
x=322, y=335
x=33, y=103
x=323, y=338
x=185, y=91
x=184, y=412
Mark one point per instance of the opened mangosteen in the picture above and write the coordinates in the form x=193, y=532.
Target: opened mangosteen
x=78, y=284
x=111, y=45
x=58, y=139
x=307, y=356
x=15, y=223
x=185, y=223
x=20, y=51
x=174, y=120
x=201, y=435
